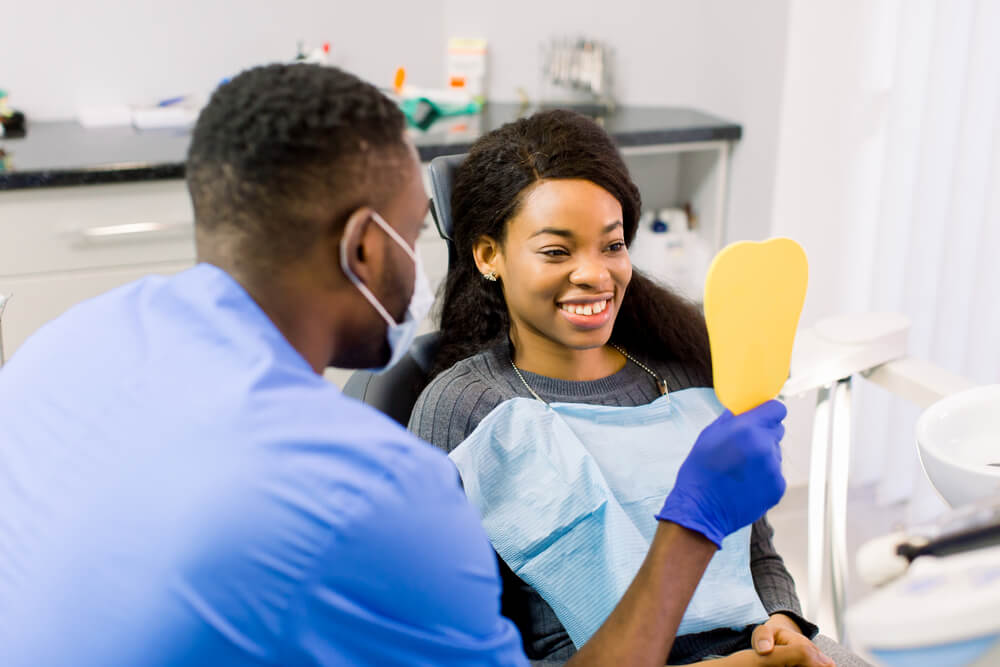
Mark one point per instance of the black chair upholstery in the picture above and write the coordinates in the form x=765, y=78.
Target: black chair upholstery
x=395, y=391
x=442, y=172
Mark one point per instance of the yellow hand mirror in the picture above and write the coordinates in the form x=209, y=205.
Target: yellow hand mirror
x=753, y=299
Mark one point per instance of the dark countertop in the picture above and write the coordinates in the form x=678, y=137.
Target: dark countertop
x=64, y=153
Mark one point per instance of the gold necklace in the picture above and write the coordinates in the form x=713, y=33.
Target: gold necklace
x=661, y=384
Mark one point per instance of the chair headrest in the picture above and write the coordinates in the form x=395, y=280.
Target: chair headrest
x=442, y=172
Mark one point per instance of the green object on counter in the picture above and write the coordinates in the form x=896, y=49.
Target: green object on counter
x=421, y=112
x=12, y=123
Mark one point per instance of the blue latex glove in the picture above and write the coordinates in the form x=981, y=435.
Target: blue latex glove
x=732, y=475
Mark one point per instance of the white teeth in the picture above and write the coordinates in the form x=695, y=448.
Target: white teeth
x=586, y=309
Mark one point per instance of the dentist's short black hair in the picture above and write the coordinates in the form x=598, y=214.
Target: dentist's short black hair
x=282, y=155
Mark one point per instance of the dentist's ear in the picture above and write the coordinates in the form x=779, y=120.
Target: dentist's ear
x=486, y=252
x=359, y=245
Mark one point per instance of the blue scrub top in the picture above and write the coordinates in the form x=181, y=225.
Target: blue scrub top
x=178, y=487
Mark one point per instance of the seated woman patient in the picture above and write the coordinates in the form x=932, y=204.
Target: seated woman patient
x=569, y=389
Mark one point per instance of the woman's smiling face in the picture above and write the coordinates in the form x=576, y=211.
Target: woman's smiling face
x=563, y=263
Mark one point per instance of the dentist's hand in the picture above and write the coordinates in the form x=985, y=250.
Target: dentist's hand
x=732, y=475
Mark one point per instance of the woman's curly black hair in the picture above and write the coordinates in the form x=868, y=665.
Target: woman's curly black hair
x=489, y=186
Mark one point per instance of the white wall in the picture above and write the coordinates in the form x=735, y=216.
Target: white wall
x=833, y=106
x=719, y=56
x=62, y=55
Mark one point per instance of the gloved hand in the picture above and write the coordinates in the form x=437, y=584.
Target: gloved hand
x=732, y=475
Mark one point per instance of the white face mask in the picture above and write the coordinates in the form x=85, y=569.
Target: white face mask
x=399, y=334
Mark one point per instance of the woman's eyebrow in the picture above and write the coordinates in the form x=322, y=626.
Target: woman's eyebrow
x=566, y=233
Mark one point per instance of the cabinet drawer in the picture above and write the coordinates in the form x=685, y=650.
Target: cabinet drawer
x=46, y=230
x=37, y=300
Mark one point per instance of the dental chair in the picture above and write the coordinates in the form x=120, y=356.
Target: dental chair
x=395, y=391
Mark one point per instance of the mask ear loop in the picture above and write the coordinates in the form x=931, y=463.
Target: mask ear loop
x=387, y=228
x=365, y=292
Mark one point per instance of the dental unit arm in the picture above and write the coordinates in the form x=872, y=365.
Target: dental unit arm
x=872, y=345
x=826, y=357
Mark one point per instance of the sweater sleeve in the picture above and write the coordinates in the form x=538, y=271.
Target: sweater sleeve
x=772, y=580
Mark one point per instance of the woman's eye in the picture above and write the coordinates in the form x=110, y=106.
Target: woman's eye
x=617, y=246
x=555, y=252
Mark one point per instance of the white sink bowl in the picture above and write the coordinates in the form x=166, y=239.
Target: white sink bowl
x=958, y=437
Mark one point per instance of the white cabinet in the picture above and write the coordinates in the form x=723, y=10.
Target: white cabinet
x=38, y=299
x=45, y=230
x=60, y=246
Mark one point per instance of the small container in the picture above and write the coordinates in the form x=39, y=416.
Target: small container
x=467, y=66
